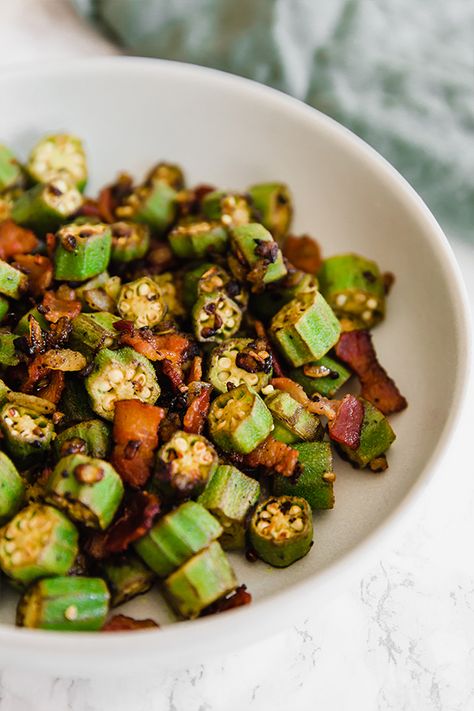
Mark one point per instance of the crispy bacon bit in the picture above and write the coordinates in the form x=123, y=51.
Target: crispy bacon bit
x=35, y=338
x=261, y=333
x=15, y=240
x=238, y=598
x=59, y=332
x=50, y=243
x=53, y=388
x=355, y=348
x=388, y=279
x=255, y=358
x=273, y=456
x=319, y=406
x=135, y=435
x=199, y=399
x=289, y=386
x=175, y=374
x=195, y=372
x=311, y=370
x=347, y=425
x=55, y=307
x=123, y=623
x=89, y=208
x=39, y=270
x=105, y=205
x=303, y=252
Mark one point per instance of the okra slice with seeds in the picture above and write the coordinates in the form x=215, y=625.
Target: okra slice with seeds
x=167, y=173
x=229, y=496
x=315, y=483
x=154, y=205
x=230, y=208
x=210, y=278
x=123, y=374
x=281, y=530
x=254, y=245
x=4, y=307
x=92, y=331
x=12, y=489
x=305, y=329
x=60, y=154
x=140, y=301
x=325, y=376
x=46, y=206
x=82, y=251
x=129, y=241
x=274, y=207
x=202, y=580
x=170, y=289
x=91, y=437
x=38, y=542
x=13, y=283
x=27, y=434
x=239, y=420
x=11, y=173
x=89, y=490
x=224, y=359
x=126, y=576
x=375, y=438
x=215, y=317
x=177, y=536
x=353, y=286
x=8, y=354
x=184, y=465
x=64, y=604
x=195, y=239
x=293, y=422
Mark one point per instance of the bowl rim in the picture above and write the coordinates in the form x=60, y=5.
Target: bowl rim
x=243, y=625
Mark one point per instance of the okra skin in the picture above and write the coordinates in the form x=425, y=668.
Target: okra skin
x=92, y=331
x=196, y=239
x=4, y=307
x=230, y=495
x=215, y=317
x=154, y=205
x=140, y=301
x=223, y=369
x=305, y=329
x=59, y=154
x=375, y=438
x=231, y=209
x=177, y=536
x=45, y=207
x=129, y=241
x=202, y=580
x=281, y=530
x=10, y=169
x=315, y=483
x=293, y=422
x=82, y=251
x=326, y=385
x=126, y=576
x=91, y=437
x=248, y=243
x=64, y=604
x=274, y=206
x=38, y=542
x=89, y=490
x=27, y=434
x=13, y=283
x=12, y=489
x=239, y=420
x=8, y=354
x=183, y=465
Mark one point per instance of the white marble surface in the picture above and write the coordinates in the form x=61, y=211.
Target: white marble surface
x=400, y=637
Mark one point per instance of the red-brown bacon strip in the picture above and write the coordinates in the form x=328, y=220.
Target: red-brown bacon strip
x=303, y=253
x=346, y=427
x=199, y=402
x=135, y=435
x=39, y=270
x=15, y=240
x=238, y=598
x=55, y=307
x=273, y=456
x=123, y=623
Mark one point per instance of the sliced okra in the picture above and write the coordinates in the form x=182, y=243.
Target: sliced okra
x=11, y=173
x=154, y=205
x=8, y=354
x=202, y=580
x=353, y=286
x=240, y=361
x=325, y=376
x=167, y=173
x=266, y=305
x=169, y=286
x=281, y=530
x=273, y=204
x=82, y=251
x=211, y=278
x=231, y=209
x=23, y=326
x=129, y=241
x=305, y=329
x=184, y=465
x=75, y=402
x=123, y=374
x=229, y=496
x=91, y=437
x=293, y=422
x=100, y=293
x=64, y=604
x=195, y=239
x=215, y=317
x=13, y=283
x=177, y=536
x=254, y=246
x=12, y=489
x=35, y=404
x=58, y=155
x=91, y=331
x=376, y=436
x=4, y=307
x=239, y=420
x=141, y=301
x=89, y=490
x=7, y=200
x=44, y=207
x=126, y=576
x=38, y=542
x=315, y=483
x=27, y=434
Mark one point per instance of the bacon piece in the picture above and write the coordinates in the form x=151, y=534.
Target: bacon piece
x=303, y=252
x=346, y=427
x=89, y=208
x=273, y=456
x=174, y=372
x=39, y=270
x=289, y=386
x=15, y=240
x=54, y=307
x=319, y=406
x=123, y=623
x=199, y=400
x=195, y=372
x=105, y=205
x=355, y=348
x=261, y=333
x=238, y=598
x=54, y=389
x=135, y=434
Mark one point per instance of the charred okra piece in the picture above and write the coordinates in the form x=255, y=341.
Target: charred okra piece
x=170, y=290
x=129, y=241
x=229, y=496
x=208, y=279
x=177, y=536
x=354, y=288
x=126, y=577
x=91, y=437
x=315, y=483
x=46, y=206
x=195, y=239
x=154, y=205
x=93, y=331
x=4, y=307
x=58, y=155
x=167, y=173
x=253, y=245
x=375, y=438
x=274, y=207
x=140, y=301
x=240, y=361
x=239, y=420
x=13, y=283
x=202, y=580
x=75, y=402
x=120, y=375
x=64, y=604
x=27, y=433
x=293, y=422
x=100, y=293
x=39, y=542
x=10, y=170
x=266, y=305
x=8, y=354
x=82, y=251
x=324, y=376
x=89, y=490
x=281, y=530
x=215, y=317
x=23, y=325
x=184, y=465
x=231, y=209
x=12, y=489
x=305, y=329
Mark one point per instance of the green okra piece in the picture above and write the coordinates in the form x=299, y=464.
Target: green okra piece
x=8, y=354
x=37, y=405
x=167, y=173
x=58, y=155
x=281, y=530
x=184, y=465
x=375, y=438
x=12, y=489
x=230, y=208
x=202, y=580
x=170, y=290
x=4, y=307
x=325, y=376
x=91, y=437
x=123, y=374
x=215, y=317
x=229, y=496
x=141, y=301
x=274, y=207
x=100, y=293
x=75, y=402
x=11, y=173
x=154, y=205
x=7, y=200
x=46, y=206
x=305, y=329
x=89, y=490
x=208, y=278
x=315, y=483
x=223, y=365
x=13, y=283
x=27, y=434
x=126, y=576
x=239, y=420
x=82, y=251
x=177, y=536
x=129, y=241
x=255, y=246
x=64, y=604
x=38, y=542
x=293, y=422
x=195, y=239
x=266, y=304
x=92, y=331
x=23, y=325
x=353, y=286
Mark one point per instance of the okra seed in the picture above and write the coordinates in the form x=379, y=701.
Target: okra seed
x=252, y=378
x=297, y=525
x=125, y=307
x=272, y=508
x=17, y=557
x=8, y=420
x=145, y=393
x=130, y=372
x=268, y=389
x=360, y=297
x=341, y=299
x=329, y=476
x=143, y=289
x=180, y=444
x=225, y=362
x=224, y=376
x=367, y=315
x=129, y=294
x=70, y=613
x=230, y=323
x=294, y=510
x=262, y=525
x=116, y=375
x=372, y=303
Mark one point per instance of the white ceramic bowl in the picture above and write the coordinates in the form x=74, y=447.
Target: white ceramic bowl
x=232, y=132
